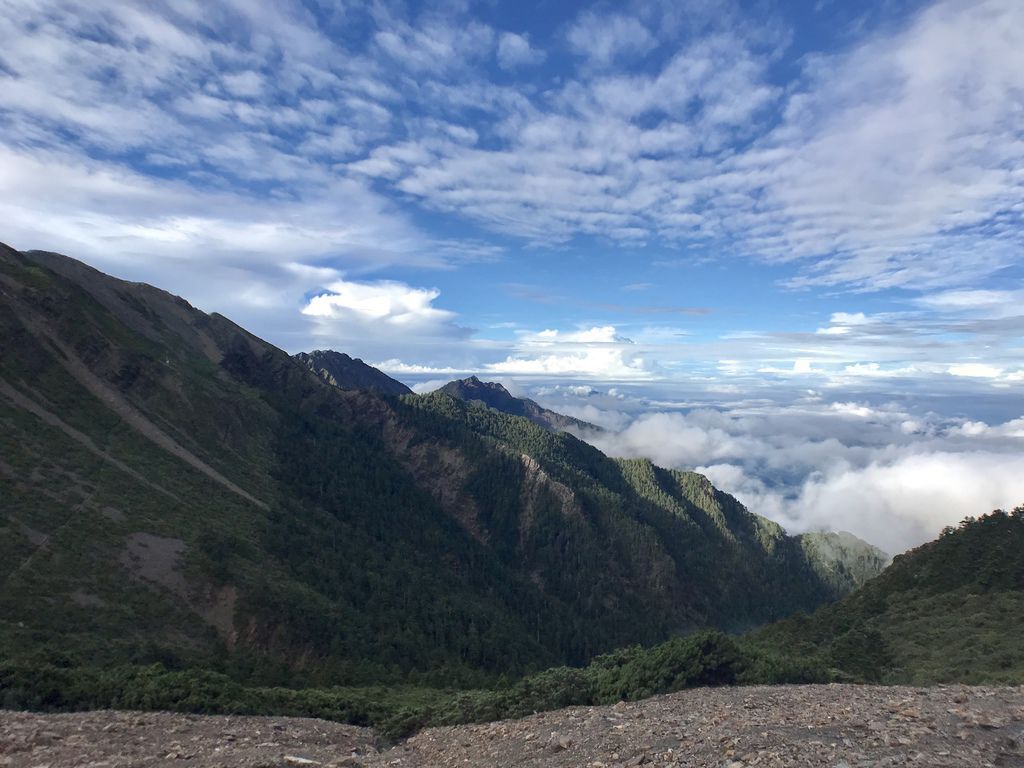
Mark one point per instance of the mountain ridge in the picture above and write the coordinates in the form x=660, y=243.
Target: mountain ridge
x=292, y=516
x=842, y=559
x=494, y=395
x=344, y=372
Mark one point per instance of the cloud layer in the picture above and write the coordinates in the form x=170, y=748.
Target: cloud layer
x=890, y=476
x=892, y=164
x=257, y=128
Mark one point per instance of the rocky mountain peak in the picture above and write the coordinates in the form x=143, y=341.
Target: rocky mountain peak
x=346, y=372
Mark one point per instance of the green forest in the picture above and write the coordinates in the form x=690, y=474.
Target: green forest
x=867, y=638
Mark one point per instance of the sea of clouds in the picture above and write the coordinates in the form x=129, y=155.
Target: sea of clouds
x=892, y=473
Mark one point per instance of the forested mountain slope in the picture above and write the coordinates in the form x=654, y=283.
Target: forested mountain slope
x=177, y=490
x=951, y=610
x=843, y=560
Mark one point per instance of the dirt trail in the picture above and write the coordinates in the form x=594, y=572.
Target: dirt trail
x=800, y=726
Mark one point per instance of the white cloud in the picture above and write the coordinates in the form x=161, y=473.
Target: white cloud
x=577, y=390
x=848, y=318
x=975, y=370
x=246, y=83
x=366, y=318
x=842, y=323
x=873, y=173
x=600, y=417
x=858, y=410
x=515, y=51
x=874, y=370
x=1013, y=428
x=881, y=162
x=384, y=304
x=598, y=363
x=896, y=503
x=435, y=45
x=602, y=39
x=246, y=179
x=877, y=471
x=119, y=212
x=669, y=439
x=989, y=303
x=611, y=408
x=605, y=334
x=882, y=166
x=397, y=367
x=599, y=352
x=802, y=366
x=222, y=250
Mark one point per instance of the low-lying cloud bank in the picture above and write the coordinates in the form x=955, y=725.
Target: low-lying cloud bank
x=878, y=471
x=896, y=502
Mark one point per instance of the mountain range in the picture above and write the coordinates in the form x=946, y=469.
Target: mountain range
x=177, y=490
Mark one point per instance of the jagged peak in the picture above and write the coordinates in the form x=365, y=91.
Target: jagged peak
x=476, y=381
x=346, y=372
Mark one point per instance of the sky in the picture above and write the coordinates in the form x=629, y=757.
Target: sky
x=777, y=241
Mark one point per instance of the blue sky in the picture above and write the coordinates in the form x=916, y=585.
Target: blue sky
x=692, y=205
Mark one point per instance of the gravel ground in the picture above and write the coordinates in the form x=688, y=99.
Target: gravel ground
x=104, y=738
x=835, y=726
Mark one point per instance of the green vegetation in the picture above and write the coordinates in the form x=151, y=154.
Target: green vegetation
x=706, y=658
x=949, y=611
x=194, y=520
x=842, y=560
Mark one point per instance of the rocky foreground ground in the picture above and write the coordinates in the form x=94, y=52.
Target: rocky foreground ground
x=834, y=726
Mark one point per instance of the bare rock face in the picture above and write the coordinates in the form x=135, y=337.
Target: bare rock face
x=833, y=726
